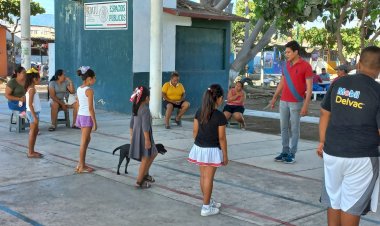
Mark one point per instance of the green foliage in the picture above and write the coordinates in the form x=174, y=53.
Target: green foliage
x=238, y=28
x=284, y=12
x=322, y=38
x=11, y=8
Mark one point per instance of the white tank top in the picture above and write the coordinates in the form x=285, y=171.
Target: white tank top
x=83, y=101
x=36, y=101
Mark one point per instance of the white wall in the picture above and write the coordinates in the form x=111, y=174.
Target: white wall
x=141, y=36
x=51, y=55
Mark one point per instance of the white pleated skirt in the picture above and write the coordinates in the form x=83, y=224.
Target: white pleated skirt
x=206, y=156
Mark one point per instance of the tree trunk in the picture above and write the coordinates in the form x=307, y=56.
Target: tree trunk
x=246, y=54
x=362, y=25
x=246, y=34
x=222, y=4
x=338, y=35
x=374, y=37
x=247, y=45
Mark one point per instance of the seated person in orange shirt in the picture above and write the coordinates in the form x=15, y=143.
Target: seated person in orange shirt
x=174, y=95
x=235, y=104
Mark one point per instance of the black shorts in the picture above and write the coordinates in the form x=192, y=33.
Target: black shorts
x=164, y=103
x=233, y=108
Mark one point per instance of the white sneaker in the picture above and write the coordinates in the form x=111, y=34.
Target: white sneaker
x=215, y=204
x=209, y=212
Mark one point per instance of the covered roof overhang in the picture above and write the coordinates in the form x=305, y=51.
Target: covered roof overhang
x=191, y=9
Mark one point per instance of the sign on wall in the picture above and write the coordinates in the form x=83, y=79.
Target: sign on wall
x=106, y=15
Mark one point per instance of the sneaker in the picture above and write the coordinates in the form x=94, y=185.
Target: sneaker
x=209, y=212
x=22, y=114
x=215, y=204
x=281, y=157
x=291, y=158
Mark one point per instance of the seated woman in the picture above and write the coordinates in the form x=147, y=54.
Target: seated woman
x=174, y=95
x=15, y=92
x=235, y=104
x=60, y=87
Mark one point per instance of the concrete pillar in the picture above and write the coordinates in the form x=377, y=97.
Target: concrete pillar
x=25, y=34
x=155, y=78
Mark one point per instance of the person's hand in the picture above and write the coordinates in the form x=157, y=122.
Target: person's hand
x=303, y=111
x=272, y=103
x=148, y=145
x=68, y=79
x=320, y=150
x=64, y=107
x=225, y=160
x=23, y=99
x=94, y=127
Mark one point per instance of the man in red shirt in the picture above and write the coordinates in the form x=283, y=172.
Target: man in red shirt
x=297, y=77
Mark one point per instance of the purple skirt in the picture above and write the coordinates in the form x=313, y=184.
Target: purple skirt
x=84, y=121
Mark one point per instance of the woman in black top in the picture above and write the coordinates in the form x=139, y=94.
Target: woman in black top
x=210, y=146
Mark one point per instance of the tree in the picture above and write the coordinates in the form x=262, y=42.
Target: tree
x=341, y=12
x=10, y=11
x=271, y=16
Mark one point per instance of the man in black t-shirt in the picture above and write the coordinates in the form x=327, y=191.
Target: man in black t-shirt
x=349, y=131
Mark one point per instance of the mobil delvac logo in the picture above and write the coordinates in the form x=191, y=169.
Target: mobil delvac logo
x=349, y=98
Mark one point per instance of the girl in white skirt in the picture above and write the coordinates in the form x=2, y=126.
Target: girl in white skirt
x=210, y=145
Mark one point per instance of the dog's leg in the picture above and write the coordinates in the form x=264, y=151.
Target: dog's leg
x=126, y=165
x=120, y=161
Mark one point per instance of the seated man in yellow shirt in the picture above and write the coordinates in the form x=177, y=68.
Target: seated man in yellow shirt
x=174, y=95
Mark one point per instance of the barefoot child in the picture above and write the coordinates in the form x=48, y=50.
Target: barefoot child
x=210, y=146
x=142, y=144
x=86, y=116
x=33, y=108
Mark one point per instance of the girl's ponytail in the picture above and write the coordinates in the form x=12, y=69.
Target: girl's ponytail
x=209, y=100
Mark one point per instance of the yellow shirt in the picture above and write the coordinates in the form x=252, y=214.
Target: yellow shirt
x=173, y=93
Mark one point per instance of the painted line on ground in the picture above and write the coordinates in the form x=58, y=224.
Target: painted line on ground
x=19, y=216
x=259, y=215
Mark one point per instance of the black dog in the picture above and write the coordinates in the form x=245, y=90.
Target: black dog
x=124, y=153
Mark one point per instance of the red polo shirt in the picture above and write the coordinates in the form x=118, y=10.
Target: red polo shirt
x=298, y=72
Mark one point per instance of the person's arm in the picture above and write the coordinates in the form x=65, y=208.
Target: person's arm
x=195, y=128
x=277, y=93
x=243, y=98
x=306, y=102
x=55, y=98
x=131, y=127
x=183, y=97
x=323, y=123
x=32, y=91
x=148, y=144
x=223, y=143
x=10, y=97
x=319, y=79
x=166, y=98
x=230, y=97
x=90, y=97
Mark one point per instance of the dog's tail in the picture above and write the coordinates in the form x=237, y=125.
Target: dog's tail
x=118, y=148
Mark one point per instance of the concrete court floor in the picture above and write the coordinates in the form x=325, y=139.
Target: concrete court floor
x=253, y=189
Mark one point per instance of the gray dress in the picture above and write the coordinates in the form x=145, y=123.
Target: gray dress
x=140, y=123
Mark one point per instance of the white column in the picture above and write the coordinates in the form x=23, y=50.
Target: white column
x=155, y=78
x=25, y=34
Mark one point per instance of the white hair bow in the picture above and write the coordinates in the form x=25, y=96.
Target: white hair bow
x=84, y=69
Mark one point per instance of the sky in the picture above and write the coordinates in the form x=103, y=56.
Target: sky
x=47, y=4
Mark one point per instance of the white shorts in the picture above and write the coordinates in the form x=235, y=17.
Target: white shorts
x=351, y=184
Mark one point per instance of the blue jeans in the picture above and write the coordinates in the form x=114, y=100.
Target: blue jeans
x=13, y=105
x=290, y=125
